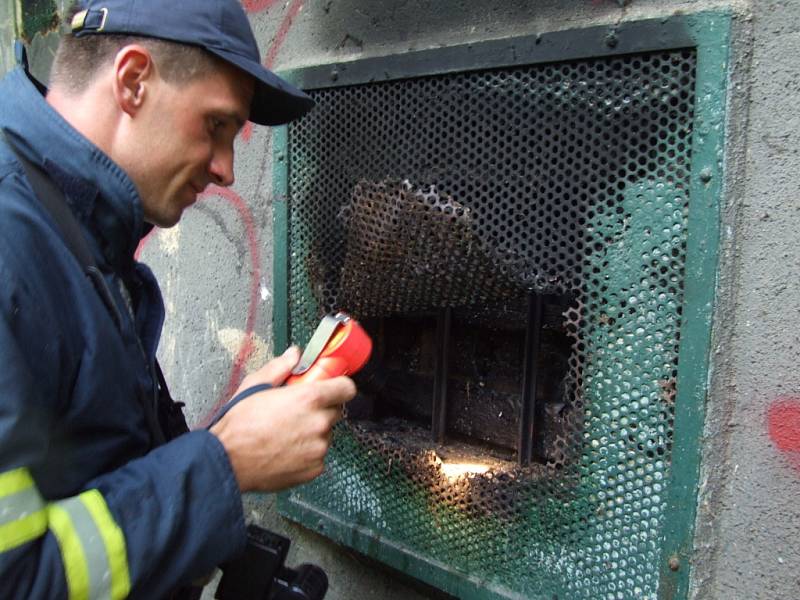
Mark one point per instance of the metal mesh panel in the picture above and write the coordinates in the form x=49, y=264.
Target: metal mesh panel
x=471, y=190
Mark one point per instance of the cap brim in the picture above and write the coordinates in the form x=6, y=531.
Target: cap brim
x=275, y=101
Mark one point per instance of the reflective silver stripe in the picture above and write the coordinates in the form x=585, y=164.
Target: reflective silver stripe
x=20, y=505
x=93, y=547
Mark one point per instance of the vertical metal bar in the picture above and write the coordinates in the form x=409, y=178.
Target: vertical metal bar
x=530, y=377
x=280, y=237
x=441, y=374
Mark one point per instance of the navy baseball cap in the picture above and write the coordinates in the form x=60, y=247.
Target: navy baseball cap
x=219, y=26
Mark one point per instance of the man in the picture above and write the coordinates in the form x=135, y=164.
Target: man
x=145, y=101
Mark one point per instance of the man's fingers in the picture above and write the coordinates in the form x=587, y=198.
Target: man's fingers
x=332, y=416
x=335, y=392
x=278, y=369
x=311, y=473
x=278, y=438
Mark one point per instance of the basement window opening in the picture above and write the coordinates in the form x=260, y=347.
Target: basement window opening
x=469, y=383
x=515, y=237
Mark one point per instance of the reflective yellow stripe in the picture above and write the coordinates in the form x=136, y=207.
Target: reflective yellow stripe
x=92, y=545
x=114, y=541
x=23, y=530
x=15, y=481
x=22, y=517
x=76, y=570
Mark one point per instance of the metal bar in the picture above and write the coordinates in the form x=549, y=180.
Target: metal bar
x=530, y=413
x=441, y=373
x=590, y=42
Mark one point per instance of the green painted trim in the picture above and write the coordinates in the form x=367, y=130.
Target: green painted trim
x=712, y=33
x=438, y=574
x=280, y=237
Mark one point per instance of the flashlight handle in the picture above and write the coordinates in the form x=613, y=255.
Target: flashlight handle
x=325, y=367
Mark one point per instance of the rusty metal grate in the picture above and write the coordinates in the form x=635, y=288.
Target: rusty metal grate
x=471, y=191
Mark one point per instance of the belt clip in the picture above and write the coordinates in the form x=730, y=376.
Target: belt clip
x=318, y=341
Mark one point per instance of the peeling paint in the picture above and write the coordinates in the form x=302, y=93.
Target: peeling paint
x=170, y=240
x=35, y=17
x=233, y=339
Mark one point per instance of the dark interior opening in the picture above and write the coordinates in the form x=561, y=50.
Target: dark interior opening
x=485, y=379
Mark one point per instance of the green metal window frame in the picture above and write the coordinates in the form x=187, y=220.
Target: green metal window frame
x=709, y=34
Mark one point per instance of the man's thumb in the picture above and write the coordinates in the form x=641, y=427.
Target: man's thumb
x=278, y=369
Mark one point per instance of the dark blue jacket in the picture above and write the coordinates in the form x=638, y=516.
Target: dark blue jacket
x=89, y=507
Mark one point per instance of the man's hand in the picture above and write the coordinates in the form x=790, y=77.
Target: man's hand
x=278, y=438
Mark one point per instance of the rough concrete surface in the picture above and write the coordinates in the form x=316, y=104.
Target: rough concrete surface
x=216, y=269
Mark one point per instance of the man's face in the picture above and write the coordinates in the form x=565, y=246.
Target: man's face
x=184, y=140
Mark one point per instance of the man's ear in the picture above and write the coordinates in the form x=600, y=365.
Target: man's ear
x=133, y=73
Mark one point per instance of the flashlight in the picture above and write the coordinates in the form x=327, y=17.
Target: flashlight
x=339, y=346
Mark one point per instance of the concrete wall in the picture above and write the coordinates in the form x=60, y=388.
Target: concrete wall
x=215, y=268
x=749, y=517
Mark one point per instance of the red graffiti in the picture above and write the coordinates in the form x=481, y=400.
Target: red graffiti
x=255, y=6
x=277, y=42
x=283, y=31
x=783, y=422
x=143, y=243
x=247, y=131
x=248, y=346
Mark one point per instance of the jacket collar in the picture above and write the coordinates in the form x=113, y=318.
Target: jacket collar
x=100, y=192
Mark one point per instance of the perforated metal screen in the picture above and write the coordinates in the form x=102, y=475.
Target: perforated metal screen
x=471, y=190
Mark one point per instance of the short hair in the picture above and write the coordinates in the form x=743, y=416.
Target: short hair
x=78, y=59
